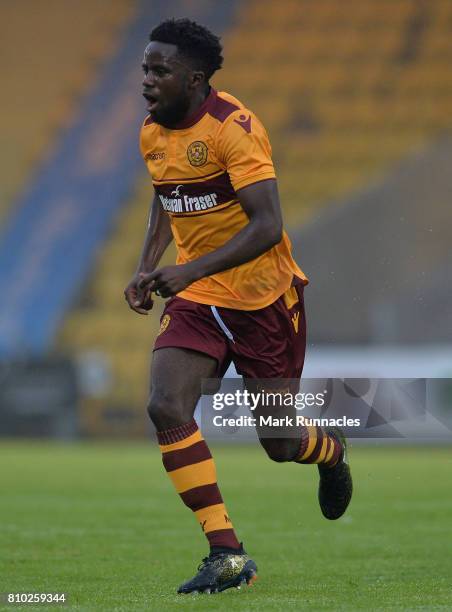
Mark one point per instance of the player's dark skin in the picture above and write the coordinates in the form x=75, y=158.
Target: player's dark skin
x=175, y=90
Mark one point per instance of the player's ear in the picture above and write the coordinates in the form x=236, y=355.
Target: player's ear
x=197, y=78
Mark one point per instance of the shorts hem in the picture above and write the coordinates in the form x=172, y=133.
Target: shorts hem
x=190, y=347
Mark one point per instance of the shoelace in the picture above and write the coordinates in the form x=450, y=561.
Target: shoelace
x=207, y=560
x=203, y=564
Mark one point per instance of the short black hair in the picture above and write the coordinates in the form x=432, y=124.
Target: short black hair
x=193, y=41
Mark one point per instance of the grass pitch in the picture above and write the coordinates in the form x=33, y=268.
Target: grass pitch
x=103, y=524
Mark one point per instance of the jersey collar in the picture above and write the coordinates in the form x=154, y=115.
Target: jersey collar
x=199, y=113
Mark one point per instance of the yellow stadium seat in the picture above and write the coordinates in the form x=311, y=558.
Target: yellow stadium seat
x=86, y=34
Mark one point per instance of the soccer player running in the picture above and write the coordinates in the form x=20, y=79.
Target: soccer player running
x=236, y=294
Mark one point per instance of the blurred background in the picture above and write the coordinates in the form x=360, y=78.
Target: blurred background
x=358, y=105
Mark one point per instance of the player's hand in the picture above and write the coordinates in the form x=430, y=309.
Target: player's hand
x=168, y=280
x=139, y=299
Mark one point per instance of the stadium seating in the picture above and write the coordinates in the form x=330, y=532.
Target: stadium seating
x=345, y=90
x=41, y=89
x=104, y=323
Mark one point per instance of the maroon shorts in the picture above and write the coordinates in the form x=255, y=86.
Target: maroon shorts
x=265, y=343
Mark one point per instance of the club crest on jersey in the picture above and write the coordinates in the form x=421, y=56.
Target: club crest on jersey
x=197, y=153
x=164, y=323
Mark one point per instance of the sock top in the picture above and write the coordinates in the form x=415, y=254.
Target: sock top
x=176, y=434
x=215, y=550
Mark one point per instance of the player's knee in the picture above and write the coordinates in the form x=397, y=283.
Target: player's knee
x=280, y=450
x=161, y=411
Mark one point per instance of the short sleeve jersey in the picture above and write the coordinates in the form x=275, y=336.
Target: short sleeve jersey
x=197, y=170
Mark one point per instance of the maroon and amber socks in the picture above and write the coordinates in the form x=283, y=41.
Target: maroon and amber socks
x=319, y=447
x=190, y=466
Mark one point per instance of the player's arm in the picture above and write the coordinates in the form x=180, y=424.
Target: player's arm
x=260, y=202
x=158, y=237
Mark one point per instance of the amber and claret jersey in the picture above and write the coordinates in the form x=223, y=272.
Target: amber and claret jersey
x=197, y=169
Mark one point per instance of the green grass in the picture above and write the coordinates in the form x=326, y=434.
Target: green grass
x=103, y=524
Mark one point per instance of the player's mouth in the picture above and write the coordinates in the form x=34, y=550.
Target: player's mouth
x=152, y=101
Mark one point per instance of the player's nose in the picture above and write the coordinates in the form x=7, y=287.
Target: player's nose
x=148, y=80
